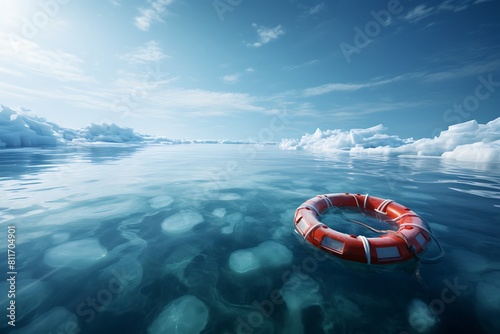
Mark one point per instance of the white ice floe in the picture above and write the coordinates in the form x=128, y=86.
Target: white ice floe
x=182, y=222
x=468, y=141
x=185, y=315
x=57, y=320
x=79, y=254
x=420, y=317
x=268, y=254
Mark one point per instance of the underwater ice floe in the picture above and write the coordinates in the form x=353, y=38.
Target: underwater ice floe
x=269, y=254
x=122, y=278
x=468, y=261
x=185, y=315
x=182, y=222
x=79, y=254
x=488, y=301
x=299, y=293
x=231, y=220
x=420, y=317
x=219, y=212
x=57, y=320
x=229, y=197
x=103, y=208
x=159, y=202
x=179, y=259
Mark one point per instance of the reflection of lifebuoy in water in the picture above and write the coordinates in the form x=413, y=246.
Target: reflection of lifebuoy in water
x=411, y=238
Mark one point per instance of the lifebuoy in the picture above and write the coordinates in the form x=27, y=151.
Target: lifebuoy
x=410, y=239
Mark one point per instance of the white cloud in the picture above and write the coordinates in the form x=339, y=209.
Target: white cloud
x=151, y=14
x=418, y=13
x=204, y=103
x=231, y=78
x=266, y=35
x=150, y=52
x=27, y=56
x=316, y=9
x=250, y=70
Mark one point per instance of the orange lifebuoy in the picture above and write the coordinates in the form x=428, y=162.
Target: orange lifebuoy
x=410, y=239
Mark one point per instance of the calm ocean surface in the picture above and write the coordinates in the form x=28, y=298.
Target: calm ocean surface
x=152, y=240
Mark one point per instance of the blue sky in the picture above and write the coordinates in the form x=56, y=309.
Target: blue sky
x=231, y=69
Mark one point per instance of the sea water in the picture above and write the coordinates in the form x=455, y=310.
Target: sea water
x=199, y=239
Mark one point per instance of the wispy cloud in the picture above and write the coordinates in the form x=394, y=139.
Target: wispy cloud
x=204, y=102
x=250, y=70
x=316, y=9
x=231, y=78
x=294, y=67
x=266, y=35
x=471, y=69
x=349, y=87
x=359, y=110
x=151, y=14
x=148, y=53
x=422, y=11
x=29, y=57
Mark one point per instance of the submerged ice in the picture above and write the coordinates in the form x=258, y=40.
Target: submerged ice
x=79, y=254
x=182, y=222
x=185, y=315
x=268, y=254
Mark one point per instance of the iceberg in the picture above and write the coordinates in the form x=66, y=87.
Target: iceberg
x=23, y=131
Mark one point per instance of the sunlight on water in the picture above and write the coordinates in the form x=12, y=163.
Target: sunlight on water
x=199, y=239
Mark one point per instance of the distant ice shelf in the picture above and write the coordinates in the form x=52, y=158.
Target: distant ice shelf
x=18, y=129
x=468, y=141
